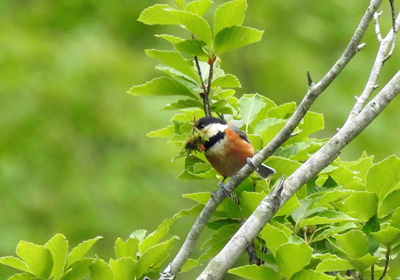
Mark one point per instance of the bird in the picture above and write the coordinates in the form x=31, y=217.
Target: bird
x=227, y=148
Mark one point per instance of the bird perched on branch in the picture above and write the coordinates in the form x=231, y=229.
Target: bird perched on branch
x=226, y=147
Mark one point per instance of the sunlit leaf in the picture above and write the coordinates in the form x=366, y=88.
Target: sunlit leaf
x=161, y=86
x=79, y=251
x=250, y=105
x=225, y=81
x=15, y=263
x=354, y=243
x=123, y=268
x=192, y=47
x=292, y=258
x=388, y=236
x=330, y=265
x=255, y=272
x=273, y=237
x=229, y=14
x=58, y=246
x=38, y=258
x=235, y=37
x=311, y=275
x=198, y=7
x=361, y=205
x=100, y=270
x=158, y=14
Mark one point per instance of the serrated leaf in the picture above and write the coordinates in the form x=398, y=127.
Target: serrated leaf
x=273, y=237
x=170, y=38
x=354, y=243
x=250, y=105
x=181, y=104
x=37, y=258
x=79, y=251
x=166, y=132
x=123, y=268
x=330, y=265
x=128, y=248
x=235, y=37
x=78, y=269
x=195, y=24
x=154, y=257
x=139, y=234
x=223, y=235
x=23, y=276
x=255, y=272
x=364, y=262
x=15, y=263
x=226, y=81
x=282, y=111
x=193, y=47
x=361, y=205
x=175, y=60
x=326, y=217
x=58, y=247
x=311, y=275
x=389, y=203
x=292, y=258
x=160, y=87
x=200, y=197
x=198, y=7
x=388, y=237
x=158, y=14
x=383, y=176
x=229, y=14
x=100, y=270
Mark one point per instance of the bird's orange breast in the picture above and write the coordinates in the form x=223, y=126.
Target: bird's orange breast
x=229, y=155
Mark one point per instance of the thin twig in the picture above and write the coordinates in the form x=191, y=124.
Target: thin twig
x=394, y=30
x=204, y=95
x=313, y=92
x=381, y=57
x=387, y=259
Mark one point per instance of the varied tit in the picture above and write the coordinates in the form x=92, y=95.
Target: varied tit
x=227, y=148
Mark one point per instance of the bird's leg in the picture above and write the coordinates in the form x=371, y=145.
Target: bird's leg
x=249, y=162
x=222, y=187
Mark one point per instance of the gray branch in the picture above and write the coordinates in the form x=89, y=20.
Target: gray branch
x=239, y=244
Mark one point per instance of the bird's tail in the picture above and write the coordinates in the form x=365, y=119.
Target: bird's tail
x=264, y=171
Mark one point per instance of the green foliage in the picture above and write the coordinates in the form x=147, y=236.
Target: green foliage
x=138, y=256
x=344, y=219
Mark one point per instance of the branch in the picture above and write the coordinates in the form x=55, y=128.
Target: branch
x=270, y=204
x=381, y=58
x=313, y=92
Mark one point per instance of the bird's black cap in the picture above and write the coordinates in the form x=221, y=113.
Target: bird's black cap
x=203, y=122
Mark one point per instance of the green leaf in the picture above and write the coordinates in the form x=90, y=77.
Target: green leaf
x=311, y=275
x=158, y=14
x=198, y=7
x=364, y=262
x=160, y=87
x=78, y=269
x=326, y=217
x=58, y=247
x=330, y=265
x=193, y=47
x=249, y=106
x=79, y=251
x=354, y=243
x=38, y=258
x=123, y=268
x=273, y=237
x=175, y=60
x=223, y=235
x=15, y=263
x=100, y=270
x=292, y=258
x=389, y=203
x=195, y=24
x=226, y=81
x=229, y=14
x=166, y=132
x=283, y=111
x=395, y=221
x=128, y=248
x=139, y=234
x=361, y=205
x=23, y=276
x=154, y=257
x=172, y=39
x=333, y=230
x=388, y=237
x=235, y=37
x=181, y=104
x=383, y=177
x=255, y=272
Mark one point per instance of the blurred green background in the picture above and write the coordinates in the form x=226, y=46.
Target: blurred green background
x=74, y=156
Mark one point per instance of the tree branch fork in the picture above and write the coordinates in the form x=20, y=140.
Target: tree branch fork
x=359, y=118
